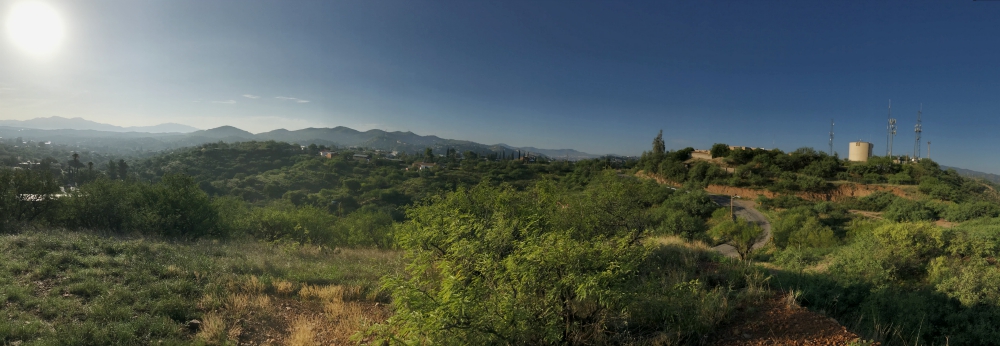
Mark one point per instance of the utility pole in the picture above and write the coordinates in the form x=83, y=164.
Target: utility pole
x=918, y=129
x=928, y=149
x=831, y=137
x=890, y=132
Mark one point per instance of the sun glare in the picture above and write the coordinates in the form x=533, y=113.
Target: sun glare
x=34, y=27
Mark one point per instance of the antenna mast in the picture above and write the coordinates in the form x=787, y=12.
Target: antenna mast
x=918, y=129
x=890, y=131
x=831, y=137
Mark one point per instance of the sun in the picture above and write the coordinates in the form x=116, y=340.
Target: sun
x=35, y=28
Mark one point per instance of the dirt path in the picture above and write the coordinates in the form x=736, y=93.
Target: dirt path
x=743, y=209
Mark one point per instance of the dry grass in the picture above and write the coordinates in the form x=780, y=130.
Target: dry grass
x=213, y=327
x=678, y=241
x=302, y=333
x=283, y=287
x=258, y=313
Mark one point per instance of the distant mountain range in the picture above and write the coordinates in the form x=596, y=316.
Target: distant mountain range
x=60, y=123
x=129, y=140
x=990, y=177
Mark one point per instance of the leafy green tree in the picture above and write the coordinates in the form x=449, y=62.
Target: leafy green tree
x=659, y=147
x=740, y=234
x=122, y=169
x=112, y=170
x=492, y=265
x=683, y=154
x=720, y=150
x=428, y=155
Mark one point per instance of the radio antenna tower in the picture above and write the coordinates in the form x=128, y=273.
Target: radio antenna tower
x=831, y=137
x=918, y=129
x=890, y=131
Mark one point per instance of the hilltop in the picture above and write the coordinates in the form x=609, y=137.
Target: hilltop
x=142, y=140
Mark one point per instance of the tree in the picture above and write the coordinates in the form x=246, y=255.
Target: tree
x=428, y=155
x=720, y=150
x=659, y=147
x=493, y=265
x=122, y=169
x=112, y=170
x=740, y=234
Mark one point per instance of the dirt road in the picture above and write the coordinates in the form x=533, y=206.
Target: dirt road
x=745, y=210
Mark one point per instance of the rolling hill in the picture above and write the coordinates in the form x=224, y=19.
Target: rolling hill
x=115, y=140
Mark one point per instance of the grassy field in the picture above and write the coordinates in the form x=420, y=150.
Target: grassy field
x=72, y=288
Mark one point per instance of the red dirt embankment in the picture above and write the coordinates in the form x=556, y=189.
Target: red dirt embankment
x=839, y=192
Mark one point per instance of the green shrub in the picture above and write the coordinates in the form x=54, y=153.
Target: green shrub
x=486, y=266
x=174, y=207
x=801, y=227
x=877, y=201
x=676, y=222
x=974, y=210
x=905, y=210
x=19, y=183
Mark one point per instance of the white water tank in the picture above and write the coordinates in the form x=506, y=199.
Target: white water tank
x=860, y=151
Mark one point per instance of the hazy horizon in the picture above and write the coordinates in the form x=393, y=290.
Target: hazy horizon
x=598, y=77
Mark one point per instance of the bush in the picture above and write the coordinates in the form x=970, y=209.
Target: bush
x=487, y=266
x=801, y=227
x=905, y=210
x=676, y=222
x=891, y=252
x=26, y=195
x=876, y=201
x=720, y=150
x=968, y=211
x=175, y=207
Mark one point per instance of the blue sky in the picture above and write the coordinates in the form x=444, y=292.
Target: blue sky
x=600, y=77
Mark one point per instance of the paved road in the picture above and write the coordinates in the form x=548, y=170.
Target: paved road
x=743, y=209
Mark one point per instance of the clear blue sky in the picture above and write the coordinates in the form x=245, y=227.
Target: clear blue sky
x=601, y=77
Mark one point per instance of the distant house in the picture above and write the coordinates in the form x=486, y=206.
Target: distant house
x=327, y=154
x=362, y=157
x=423, y=165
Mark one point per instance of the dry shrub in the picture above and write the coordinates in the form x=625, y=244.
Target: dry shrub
x=241, y=304
x=235, y=332
x=174, y=271
x=238, y=304
x=212, y=328
x=344, y=319
x=253, y=285
x=283, y=287
x=262, y=302
x=332, y=293
x=208, y=302
x=791, y=299
x=302, y=333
